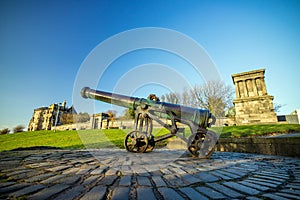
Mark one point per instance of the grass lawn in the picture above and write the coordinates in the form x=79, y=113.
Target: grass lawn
x=115, y=137
x=67, y=139
x=258, y=130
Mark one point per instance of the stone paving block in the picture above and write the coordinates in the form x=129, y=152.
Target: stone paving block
x=272, y=174
x=90, y=180
x=192, y=194
x=27, y=190
x=16, y=172
x=292, y=186
x=166, y=171
x=189, y=179
x=25, y=175
x=6, y=184
x=169, y=194
x=225, y=190
x=85, y=169
x=69, y=180
x=99, y=170
x=13, y=188
x=174, y=181
x=40, y=177
x=9, y=164
x=291, y=191
x=206, y=177
x=120, y=193
x=59, y=168
x=107, y=180
x=46, y=193
x=126, y=170
x=95, y=193
x=159, y=182
x=125, y=181
x=265, y=177
x=145, y=193
x=263, y=182
x=71, y=170
x=255, y=186
x=242, y=188
x=273, y=196
x=222, y=176
x=250, y=167
x=178, y=171
x=240, y=173
x=192, y=170
x=111, y=171
x=231, y=175
x=239, y=169
x=212, y=194
x=253, y=198
x=72, y=193
x=53, y=179
x=143, y=181
x=156, y=173
x=288, y=195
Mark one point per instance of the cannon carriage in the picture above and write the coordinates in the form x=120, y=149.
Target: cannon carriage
x=200, y=143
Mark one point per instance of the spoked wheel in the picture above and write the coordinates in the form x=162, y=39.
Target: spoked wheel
x=202, y=144
x=136, y=142
x=194, y=143
x=151, y=144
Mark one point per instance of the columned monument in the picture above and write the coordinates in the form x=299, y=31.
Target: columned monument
x=252, y=105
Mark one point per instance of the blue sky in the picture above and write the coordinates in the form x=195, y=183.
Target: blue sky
x=43, y=44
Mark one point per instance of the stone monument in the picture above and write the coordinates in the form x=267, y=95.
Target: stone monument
x=44, y=118
x=252, y=105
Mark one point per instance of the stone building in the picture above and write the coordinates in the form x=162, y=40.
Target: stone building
x=45, y=118
x=99, y=121
x=252, y=105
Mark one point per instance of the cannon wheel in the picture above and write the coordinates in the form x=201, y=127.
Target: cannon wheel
x=136, y=142
x=194, y=143
x=204, y=142
x=151, y=144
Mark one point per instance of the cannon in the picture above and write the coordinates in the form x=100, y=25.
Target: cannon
x=200, y=143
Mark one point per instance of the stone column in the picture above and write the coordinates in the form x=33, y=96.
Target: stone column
x=245, y=88
x=254, y=87
x=237, y=92
x=263, y=85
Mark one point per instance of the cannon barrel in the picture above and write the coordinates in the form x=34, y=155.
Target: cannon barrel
x=183, y=114
x=116, y=99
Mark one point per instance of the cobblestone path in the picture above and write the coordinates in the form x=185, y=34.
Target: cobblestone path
x=117, y=174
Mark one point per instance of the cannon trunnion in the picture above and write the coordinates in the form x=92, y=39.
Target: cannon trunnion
x=201, y=142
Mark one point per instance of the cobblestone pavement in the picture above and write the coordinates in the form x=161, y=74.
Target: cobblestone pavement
x=117, y=174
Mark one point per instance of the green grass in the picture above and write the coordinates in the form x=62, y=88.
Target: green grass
x=115, y=137
x=67, y=139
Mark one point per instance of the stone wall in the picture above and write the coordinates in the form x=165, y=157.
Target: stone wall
x=288, y=146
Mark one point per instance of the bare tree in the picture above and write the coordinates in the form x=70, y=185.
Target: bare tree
x=172, y=97
x=215, y=96
x=111, y=116
x=277, y=107
x=4, y=131
x=128, y=114
x=19, y=128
